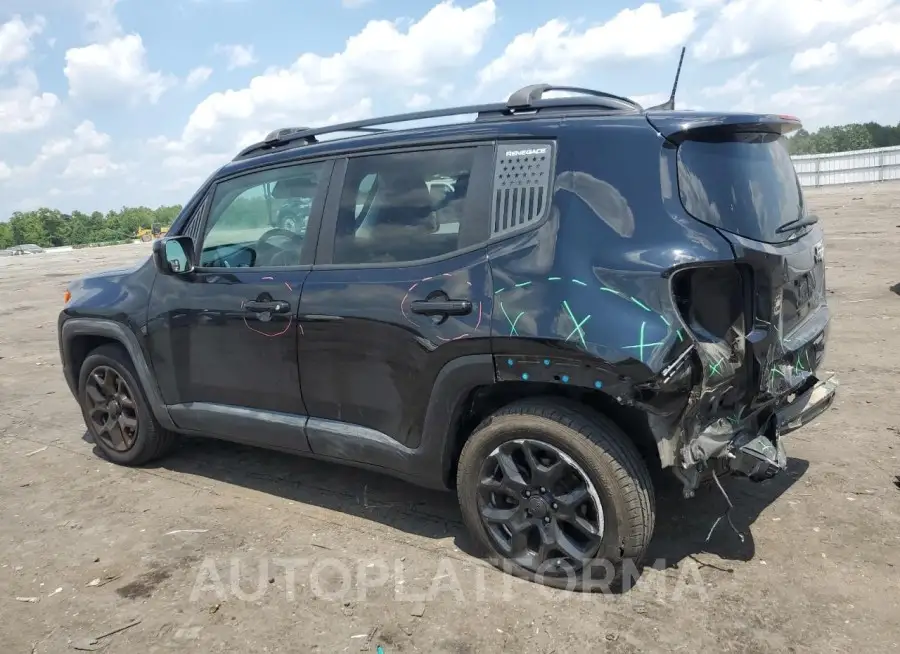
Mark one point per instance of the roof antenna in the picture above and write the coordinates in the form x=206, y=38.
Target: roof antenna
x=670, y=103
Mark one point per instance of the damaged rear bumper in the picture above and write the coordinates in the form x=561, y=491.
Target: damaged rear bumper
x=807, y=406
x=764, y=456
x=791, y=392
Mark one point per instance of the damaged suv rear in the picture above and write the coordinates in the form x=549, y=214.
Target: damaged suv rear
x=758, y=324
x=680, y=259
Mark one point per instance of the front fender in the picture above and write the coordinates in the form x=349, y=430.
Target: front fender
x=72, y=331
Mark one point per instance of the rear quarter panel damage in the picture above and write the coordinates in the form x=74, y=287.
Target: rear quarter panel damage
x=584, y=299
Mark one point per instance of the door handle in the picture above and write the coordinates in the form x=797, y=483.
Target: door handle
x=273, y=306
x=441, y=307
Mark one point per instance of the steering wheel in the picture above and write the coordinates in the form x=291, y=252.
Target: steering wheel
x=282, y=256
x=278, y=231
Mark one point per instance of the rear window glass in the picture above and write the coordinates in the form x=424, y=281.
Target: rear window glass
x=746, y=184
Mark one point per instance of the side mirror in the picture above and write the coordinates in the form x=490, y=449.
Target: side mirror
x=175, y=255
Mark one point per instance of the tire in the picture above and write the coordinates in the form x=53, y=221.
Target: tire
x=602, y=455
x=150, y=440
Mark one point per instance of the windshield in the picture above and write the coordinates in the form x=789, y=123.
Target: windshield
x=745, y=184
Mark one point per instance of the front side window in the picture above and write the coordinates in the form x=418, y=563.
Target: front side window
x=403, y=207
x=261, y=219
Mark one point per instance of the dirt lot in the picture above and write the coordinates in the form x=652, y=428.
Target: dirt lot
x=228, y=549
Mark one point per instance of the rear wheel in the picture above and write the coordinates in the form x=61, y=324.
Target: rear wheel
x=116, y=412
x=557, y=494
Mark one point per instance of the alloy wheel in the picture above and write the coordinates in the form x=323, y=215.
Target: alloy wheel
x=111, y=408
x=539, y=507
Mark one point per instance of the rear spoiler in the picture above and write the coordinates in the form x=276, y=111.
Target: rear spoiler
x=679, y=126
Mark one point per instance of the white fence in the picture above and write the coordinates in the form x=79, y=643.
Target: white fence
x=875, y=165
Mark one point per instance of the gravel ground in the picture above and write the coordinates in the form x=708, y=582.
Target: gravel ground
x=225, y=548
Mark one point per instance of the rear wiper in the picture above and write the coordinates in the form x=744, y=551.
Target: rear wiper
x=793, y=225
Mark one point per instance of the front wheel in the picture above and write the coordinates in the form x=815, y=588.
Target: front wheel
x=116, y=411
x=557, y=494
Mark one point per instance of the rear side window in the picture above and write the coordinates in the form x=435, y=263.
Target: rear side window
x=745, y=184
x=403, y=207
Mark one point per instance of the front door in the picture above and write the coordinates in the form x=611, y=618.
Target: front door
x=224, y=338
x=401, y=286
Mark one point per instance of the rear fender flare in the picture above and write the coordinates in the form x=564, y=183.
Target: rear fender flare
x=452, y=388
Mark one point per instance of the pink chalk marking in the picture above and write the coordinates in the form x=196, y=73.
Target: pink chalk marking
x=281, y=333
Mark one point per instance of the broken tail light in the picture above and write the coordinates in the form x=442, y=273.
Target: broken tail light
x=712, y=302
x=715, y=306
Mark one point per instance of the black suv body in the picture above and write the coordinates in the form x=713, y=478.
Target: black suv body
x=601, y=290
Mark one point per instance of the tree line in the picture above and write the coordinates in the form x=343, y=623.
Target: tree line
x=844, y=138
x=51, y=228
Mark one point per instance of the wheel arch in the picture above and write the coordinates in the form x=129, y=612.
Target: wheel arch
x=80, y=336
x=467, y=391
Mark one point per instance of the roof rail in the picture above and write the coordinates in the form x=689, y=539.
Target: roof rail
x=283, y=132
x=526, y=100
x=527, y=96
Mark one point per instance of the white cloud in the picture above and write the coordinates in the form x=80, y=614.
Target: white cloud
x=318, y=89
x=826, y=104
x=741, y=83
x=105, y=71
x=88, y=138
x=650, y=99
x=5, y=171
x=882, y=82
x=880, y=39
x=23, y=107
x=745, y=27
x=100, y=19
x=238, y=56
x=445, y=91
x=418, y=101
x=84, y=139
x=557, y=51
x=701, y=5
x=198, y=76
x=90, y=166
x=813, y=58
x=16, y=39
x=815, y=105
x=64, y=168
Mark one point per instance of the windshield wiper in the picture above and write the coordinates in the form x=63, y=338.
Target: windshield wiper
x=793, y=225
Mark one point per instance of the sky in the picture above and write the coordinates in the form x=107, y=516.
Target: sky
x=107, y=103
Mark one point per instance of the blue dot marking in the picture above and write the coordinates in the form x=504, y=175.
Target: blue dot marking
x=565, y=379
x=509, y=362
x=598, y=384
x=546, y=362
x=525, y=376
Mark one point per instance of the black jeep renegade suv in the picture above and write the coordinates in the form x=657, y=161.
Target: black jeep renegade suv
x=598, y=289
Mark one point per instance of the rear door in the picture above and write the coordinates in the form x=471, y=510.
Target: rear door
x=401, y=286
x=744, y=184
